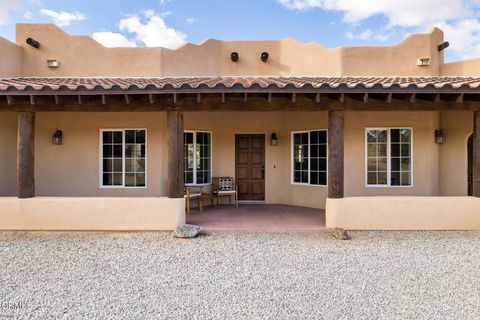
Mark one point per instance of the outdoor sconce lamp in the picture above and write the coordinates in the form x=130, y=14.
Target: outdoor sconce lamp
x=53, y=63
x=274, y=139
x=439, y=136
x=32, y=42
x=443, y=46
x=57, y=137
x=234, y=56
x=264, y=56
x=423, y=62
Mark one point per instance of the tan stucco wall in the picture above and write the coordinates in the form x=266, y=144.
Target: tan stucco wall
x=283, y=59
x=82, y=56
x=404, y=213
x=469, y=67
x=278, y=188
x=11, y=58
x=72, y=169
x=425, y=152
x=399, y=59
x=8, y=154
x=457, y=126
x=112, y=214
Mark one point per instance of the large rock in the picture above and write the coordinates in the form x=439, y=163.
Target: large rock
x=187, y=231
x=340, y=234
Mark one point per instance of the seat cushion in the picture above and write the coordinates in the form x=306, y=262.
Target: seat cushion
x=225, y=192
x=193, y=194
x=225, y=184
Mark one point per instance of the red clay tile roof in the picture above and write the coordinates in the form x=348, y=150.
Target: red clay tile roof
x=401, y=84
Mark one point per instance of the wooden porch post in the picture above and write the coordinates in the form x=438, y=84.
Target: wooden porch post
x=25, y=155
x=175, y=154
x=335, y=153
x=476, y=155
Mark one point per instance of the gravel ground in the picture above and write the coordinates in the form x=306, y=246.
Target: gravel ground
x=376, y=275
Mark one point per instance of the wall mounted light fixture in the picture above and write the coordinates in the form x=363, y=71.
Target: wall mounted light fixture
x=274, y=139
x=57, y=137
x=439, y=136
x=234, y=56
x=51, y=63
x=423, y=62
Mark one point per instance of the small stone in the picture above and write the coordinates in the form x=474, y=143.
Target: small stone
x=187, y=231
x=340, y=234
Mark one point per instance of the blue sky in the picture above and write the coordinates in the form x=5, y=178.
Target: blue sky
x=171, y=23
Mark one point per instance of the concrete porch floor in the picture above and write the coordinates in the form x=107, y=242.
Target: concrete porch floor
x=259, y=218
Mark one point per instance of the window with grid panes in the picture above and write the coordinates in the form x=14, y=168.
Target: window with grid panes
x=310, y=157
x=389, y=157
x=123, y=158
x=197, y=157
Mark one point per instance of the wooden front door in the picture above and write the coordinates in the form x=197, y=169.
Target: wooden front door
x=250, y=166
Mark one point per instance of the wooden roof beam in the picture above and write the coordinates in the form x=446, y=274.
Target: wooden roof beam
x=389, y=98
x=413, y=97
x=459, y=98
x=400, y=102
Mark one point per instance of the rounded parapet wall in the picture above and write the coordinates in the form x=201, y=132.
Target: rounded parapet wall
x=62, y=55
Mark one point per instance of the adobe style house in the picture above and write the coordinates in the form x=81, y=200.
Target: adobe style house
x=380, y=137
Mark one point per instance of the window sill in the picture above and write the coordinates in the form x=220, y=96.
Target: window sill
x=308, y=185
x=121, y=187
x=386, y=186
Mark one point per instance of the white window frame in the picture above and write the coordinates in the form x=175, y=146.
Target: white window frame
x=195, y=157
x=100, y=164
x=389, y=164
x=292, y=164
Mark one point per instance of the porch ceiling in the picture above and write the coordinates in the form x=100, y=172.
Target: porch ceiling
x=240, y=94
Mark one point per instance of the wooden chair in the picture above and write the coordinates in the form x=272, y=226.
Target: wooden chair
x=225, y=187
x=208, y=196
x=193, y=193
